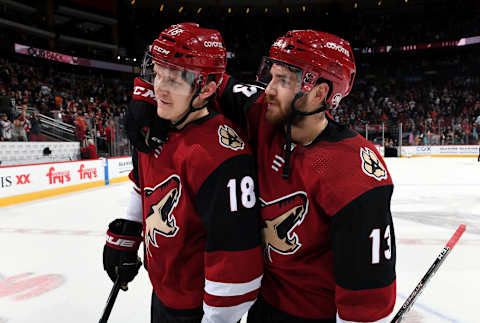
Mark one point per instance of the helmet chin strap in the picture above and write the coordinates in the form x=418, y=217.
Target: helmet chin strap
x=190, y=108
x=294, y=112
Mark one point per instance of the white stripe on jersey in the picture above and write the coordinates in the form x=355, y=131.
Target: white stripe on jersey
x=277, y=163
x=136, y=188
x=225, y=314
x=384, y=320
x=231, y=289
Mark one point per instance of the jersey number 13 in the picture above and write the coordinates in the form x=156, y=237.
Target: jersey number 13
x=375, y=237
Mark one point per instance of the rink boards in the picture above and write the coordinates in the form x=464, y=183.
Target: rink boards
x=30, y=182
x=23, y=183
x=440, y=151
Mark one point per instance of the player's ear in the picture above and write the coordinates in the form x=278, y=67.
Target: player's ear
x=207, y=90
x=319, y=93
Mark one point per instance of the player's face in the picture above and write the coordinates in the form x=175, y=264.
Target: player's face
x=172, y=93
x=279, y=94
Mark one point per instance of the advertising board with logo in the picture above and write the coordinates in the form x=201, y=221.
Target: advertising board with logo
x=441, y=151
x=119, y=168
x=20, y=180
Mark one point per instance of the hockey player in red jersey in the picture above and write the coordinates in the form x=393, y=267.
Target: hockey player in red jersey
x=196, y=190
x=329, y=244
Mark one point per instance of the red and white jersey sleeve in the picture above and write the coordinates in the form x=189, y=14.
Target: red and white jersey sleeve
x=134, y=208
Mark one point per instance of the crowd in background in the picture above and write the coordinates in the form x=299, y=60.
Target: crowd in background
x=25, y=127
x=93, y=105
x=447, y=112
x=438, y=110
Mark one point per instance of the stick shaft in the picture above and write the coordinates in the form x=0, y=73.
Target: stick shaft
x=407, y=305
x=111, y=301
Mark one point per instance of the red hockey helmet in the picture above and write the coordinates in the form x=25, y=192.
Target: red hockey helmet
x=190, y=48
x=316, y=55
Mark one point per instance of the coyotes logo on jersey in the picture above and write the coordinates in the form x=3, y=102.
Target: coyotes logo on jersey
x=162, y=199
x=371, y=165
x=277, y=232
x=229, y=138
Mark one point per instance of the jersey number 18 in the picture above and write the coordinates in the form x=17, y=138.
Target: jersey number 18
x=248, y=194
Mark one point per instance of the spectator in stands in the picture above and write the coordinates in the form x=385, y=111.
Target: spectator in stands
x=90, y=121
x=79, y=131
x=110, y=135
x=4, y=103
x=81, y=121
x=88, y=150
x=36, y=127
x=25, y=121
x=18, y=131
x=5, y=128
x=101, y=144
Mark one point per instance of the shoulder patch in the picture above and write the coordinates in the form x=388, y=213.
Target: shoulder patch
x=371, y=165
x=227, y=137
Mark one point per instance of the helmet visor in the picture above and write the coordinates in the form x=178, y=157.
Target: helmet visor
x=167, y=77
x=275, y=73
x=146, y=69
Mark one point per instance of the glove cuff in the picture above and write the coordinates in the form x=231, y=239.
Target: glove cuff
x=123, y=242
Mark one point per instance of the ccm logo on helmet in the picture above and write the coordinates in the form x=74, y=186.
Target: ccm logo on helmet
x=140, y=90
x=212, y=44
x=161, y=50
x=338, y=48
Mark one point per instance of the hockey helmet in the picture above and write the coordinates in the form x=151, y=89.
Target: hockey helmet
x=315, y=56
x=186, y=47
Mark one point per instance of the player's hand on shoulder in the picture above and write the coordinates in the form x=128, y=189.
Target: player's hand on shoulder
x=146, y=131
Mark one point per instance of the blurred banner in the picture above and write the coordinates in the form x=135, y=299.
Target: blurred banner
x=388, y=48
x=73, y=60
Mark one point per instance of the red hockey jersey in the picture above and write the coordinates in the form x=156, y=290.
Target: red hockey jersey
x=329, y=244
x=201, y=221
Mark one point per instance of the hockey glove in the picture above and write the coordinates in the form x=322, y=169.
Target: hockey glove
x=145, y=129
x=120, y=251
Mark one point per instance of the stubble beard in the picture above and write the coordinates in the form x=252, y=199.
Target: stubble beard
x=276, y=116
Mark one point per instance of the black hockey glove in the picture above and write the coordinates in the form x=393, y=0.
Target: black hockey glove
x=145, y=129
x=120, y=251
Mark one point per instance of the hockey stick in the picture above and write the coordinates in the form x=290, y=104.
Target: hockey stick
x=431, y=271
x=117, y=286
x=110, y=301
